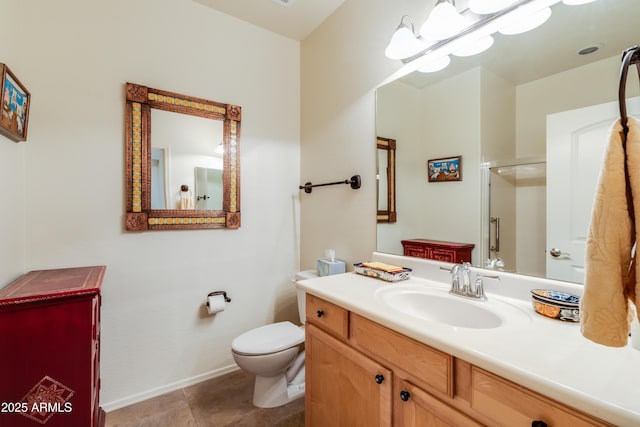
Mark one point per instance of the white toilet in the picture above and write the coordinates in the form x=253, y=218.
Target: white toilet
x=273, y=353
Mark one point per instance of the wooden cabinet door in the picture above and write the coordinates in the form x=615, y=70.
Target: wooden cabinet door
x=414, y=407
x=511, y=405
x=343, y=387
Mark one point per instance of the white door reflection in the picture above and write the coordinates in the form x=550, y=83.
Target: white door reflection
x=208, y=193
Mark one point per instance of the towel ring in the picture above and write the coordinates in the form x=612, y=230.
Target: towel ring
x=629, y=56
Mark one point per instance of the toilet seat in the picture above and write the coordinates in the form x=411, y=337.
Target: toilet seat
x=268, y=339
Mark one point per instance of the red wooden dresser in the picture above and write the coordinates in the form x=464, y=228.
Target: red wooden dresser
x=50, y=349
x=438, y=250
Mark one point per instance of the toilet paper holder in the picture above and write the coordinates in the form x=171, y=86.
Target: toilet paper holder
x=223, y=293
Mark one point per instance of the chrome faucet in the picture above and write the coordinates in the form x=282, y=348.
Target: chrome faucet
x=461, y=282
x=494, y=263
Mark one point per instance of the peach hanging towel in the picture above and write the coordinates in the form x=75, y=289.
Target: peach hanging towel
x=611, y=261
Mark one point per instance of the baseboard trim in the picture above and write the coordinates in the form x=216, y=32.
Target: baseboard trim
x=154, y=392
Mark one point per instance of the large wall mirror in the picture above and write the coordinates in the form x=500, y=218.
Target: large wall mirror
x=182, y=161
x=530, y=116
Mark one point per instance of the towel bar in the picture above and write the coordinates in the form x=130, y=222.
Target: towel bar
x=355, y=182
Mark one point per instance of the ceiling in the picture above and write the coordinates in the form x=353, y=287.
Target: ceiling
x=520, y=59
x=295, y=19
x=552, y=48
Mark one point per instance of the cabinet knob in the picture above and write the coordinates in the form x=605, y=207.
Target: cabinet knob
x=320, y=313
x=379, y=378
x=538, y=423
x=405, y=395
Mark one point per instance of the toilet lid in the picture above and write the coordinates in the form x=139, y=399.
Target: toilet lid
x=268, y=339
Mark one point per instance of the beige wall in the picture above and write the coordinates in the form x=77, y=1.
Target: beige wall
x=12, y=168
x=497, y=117
x=576, y=88
x=65, y=186
x=572, y=89
x=398, y=113
x=342, y=63
x=441, y=120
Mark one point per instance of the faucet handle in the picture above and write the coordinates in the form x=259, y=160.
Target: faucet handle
x=466, y=277
x=478, y=289
x=455, y=280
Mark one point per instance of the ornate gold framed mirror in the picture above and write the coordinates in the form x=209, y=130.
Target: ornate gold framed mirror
x=149, y=169
x=386, y=174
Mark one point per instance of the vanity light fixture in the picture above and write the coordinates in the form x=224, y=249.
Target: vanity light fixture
x=474, y=48
x=404, y=42
x=485, y=7
x=444, y=22
x=435, y=65
x=467, y=33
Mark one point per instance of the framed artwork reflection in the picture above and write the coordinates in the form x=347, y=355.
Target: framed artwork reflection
x=445, y=169
x=16, y=101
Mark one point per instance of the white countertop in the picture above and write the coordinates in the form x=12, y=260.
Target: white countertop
x=546, y=355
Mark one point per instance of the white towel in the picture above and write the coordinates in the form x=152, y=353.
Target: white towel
x=186, y=201
x=610, y=280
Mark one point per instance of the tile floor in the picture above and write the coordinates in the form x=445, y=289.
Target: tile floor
x=222, y=401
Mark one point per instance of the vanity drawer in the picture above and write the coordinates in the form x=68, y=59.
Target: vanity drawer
x=328, y=316
x=509, y=404
x=425, y=365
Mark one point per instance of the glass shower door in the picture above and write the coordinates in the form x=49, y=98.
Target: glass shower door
x=516, y=214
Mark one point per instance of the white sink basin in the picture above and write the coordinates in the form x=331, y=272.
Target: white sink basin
x=437, y=305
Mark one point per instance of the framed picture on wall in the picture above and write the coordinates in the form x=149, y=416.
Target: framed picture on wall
x=445, y=169
x=16, y=101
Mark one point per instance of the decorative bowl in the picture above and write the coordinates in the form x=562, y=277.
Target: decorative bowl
x=555, y=297
x=569, y=313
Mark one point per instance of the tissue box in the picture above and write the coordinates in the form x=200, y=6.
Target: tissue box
x=327, y=268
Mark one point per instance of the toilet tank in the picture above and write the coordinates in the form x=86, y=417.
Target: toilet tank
x=303, y=275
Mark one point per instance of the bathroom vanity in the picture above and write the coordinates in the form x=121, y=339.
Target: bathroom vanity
x=50, y=351
x=372, y=363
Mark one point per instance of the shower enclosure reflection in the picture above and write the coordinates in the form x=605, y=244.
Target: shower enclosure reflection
x=516, y=212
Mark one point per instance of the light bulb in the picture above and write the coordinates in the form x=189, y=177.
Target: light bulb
x=527, y=23
x=435, y=65
x=474, y=47
x=485, y=7
x=403, y=44
x=444, y=21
